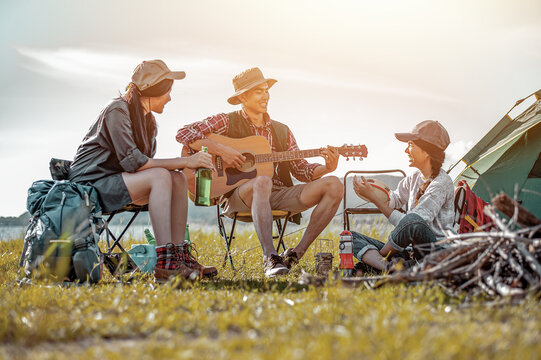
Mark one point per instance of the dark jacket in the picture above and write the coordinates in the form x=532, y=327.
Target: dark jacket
x=109, y=147
x=107, y=151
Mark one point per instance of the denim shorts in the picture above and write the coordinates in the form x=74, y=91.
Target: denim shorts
x=411, y=230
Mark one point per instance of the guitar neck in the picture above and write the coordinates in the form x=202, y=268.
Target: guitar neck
x=287, y=155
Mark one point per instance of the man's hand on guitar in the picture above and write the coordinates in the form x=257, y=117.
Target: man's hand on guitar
x=331, y=155
x=200, y=160
x=231, y=156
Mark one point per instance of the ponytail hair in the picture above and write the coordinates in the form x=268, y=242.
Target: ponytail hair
x=143, y=126
x=436, y=164
x=436, y=157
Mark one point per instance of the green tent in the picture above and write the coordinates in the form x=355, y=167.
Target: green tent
x=509, y=154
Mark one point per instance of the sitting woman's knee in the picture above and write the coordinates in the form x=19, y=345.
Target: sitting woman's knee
x=179, y=179
x=160, y=177
x=412, y=229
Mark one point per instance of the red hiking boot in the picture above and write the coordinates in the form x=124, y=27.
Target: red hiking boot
x=171, y=262
x=187, y=250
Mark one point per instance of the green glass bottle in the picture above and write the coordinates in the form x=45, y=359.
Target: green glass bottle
x=150, y=238
x=202, y=185
x=187, y=234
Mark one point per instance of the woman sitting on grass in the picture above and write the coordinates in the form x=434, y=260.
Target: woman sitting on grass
x=428, y=194
x=116, y=157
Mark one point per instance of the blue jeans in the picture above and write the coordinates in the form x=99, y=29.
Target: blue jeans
x=411, y=230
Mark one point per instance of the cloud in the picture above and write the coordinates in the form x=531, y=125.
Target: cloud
x=100, y=63
x=456, y=151
x=88, y=64
x=67, y=62
x=362, y=85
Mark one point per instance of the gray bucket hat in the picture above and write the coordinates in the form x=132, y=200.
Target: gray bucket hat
x=430, y=131
x=150, y=72
x=247, y=80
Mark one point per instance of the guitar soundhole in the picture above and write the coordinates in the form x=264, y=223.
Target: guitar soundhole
x=249, y=162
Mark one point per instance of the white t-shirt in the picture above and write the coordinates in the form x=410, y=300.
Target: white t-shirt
x=436, y=206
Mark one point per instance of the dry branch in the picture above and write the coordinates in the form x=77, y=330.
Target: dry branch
x=509, y=206
x=497, y=263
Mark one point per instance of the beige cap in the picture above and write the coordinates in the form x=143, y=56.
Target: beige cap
x=247, y=80
x=150, y=72
x=430, y=131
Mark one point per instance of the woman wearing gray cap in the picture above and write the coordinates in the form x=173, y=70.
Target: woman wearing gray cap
x=428, y=194
x=116, y=157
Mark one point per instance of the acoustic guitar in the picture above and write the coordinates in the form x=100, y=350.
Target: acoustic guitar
x=259, y=162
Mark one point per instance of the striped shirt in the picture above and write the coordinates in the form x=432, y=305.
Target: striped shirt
x=302, y=170
x=436, y=206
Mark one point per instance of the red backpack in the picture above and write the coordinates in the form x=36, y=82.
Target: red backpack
x=469, y=215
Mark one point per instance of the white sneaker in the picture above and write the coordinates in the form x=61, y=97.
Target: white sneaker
x=274, y=265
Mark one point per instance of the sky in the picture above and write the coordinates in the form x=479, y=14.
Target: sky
x=350, y=72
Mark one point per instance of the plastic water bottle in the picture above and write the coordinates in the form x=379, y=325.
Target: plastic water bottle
x=202, y=184
x=150, y=238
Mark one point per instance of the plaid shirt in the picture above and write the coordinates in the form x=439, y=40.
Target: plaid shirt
x=302, y=170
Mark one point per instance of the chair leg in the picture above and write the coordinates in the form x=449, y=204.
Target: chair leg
x=106, y=228
x=281, y=231
x=346, y=220
x=117, y=239
x=117, y=266
x=228, y=238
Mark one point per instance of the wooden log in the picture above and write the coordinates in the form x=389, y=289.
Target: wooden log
x=507, y=206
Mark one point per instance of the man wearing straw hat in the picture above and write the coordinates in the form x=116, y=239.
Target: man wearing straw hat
x=262, y=194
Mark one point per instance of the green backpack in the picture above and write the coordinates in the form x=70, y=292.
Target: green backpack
x=61, y=240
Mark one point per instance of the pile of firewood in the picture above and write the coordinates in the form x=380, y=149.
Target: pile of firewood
x=503, y=262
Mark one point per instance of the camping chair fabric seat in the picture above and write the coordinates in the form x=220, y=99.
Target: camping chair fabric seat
x=277, y=217
x=247, y=216
x=363, y=210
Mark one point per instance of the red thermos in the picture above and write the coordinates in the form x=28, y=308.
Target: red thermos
x=346, y=253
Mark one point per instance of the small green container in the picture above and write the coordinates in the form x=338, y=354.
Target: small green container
x=144, y=256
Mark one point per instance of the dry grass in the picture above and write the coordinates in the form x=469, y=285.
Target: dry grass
x=242, y=315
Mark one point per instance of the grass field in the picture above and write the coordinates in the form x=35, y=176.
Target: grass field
x=241, y=315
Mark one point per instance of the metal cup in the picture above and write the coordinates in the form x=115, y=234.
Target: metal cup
x=323, y=256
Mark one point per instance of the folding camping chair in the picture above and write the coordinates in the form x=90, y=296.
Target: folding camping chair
x=119, y=262
x=277, y=217
x=364, y=209
x=135, y=210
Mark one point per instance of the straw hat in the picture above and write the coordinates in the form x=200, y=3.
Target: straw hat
x=247, y=80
